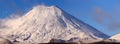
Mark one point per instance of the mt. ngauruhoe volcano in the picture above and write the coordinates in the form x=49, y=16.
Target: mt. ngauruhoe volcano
x=43, y=23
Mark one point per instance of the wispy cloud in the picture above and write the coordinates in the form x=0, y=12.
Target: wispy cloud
x=106, y=18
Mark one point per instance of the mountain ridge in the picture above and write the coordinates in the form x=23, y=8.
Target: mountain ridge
x=115, y=37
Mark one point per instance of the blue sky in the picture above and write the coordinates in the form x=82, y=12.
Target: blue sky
x=101, y=14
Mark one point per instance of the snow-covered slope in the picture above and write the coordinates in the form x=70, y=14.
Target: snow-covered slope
x=116, y=37
x=43, y=23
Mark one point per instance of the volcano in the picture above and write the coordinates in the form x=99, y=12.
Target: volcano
x=43, y=23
